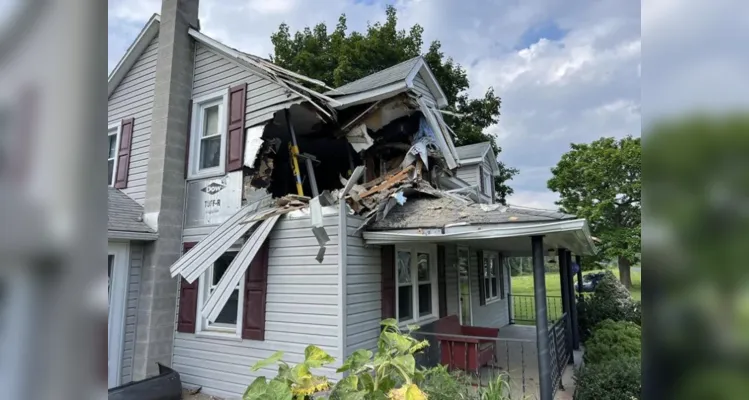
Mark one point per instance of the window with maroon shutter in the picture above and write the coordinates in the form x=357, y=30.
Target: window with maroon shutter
x=235, y=128
x=123, y=153
x=255, y=289
x=387, y=261
x=188, y=300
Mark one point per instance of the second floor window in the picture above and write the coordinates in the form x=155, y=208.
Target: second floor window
x=113, y=135
x=208, y=136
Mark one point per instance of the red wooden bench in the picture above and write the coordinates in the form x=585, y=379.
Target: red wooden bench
x=465, y=353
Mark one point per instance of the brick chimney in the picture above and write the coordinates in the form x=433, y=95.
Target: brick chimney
x=165, y=186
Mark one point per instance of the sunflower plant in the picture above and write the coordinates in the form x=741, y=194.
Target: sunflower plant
x=389, y=374
x=291, y=383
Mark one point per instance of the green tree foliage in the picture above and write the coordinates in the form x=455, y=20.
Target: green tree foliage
x=341, y=57
x=601, y=182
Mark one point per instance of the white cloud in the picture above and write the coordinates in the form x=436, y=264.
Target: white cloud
x=543, y=200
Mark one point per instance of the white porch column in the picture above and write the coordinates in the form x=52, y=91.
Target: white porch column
x=542, y=323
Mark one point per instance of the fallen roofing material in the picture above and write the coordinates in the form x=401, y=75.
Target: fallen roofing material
x=218, y=298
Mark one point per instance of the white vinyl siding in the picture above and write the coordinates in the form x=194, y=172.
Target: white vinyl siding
x=364, y=286
x=133, y=291
x=133, y=98
x=301, y=309
x=215, y=72
x=421, y=88
x=469, y=173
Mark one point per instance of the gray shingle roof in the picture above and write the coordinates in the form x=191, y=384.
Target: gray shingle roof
x=475, y=150
x=385, y=77
x=438, y=212
x=125, y=214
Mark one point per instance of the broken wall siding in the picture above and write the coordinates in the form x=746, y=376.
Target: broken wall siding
x=215, y=72
x=301, y=309
x=133, y=291
x=363, y=279
x=421, y=88
x=133, y=98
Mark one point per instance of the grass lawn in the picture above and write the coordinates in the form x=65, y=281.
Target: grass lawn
x=523, y=285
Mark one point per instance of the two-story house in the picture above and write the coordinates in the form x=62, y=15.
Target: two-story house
x=241, y=223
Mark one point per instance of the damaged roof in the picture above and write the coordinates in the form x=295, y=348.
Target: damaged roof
x=397, y=72
x=125, y=218
x=439, y=212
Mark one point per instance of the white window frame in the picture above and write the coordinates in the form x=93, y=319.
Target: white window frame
x=467, y=251
x=205, y=328
x=116, y=128
x=488, y=298
x=199, y=104
x=488, y=182
x=417, y=319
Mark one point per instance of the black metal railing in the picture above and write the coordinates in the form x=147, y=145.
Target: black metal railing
x=482, y=360
x=524, y=308
x=558, y=350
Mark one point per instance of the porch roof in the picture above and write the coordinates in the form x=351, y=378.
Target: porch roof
x=492, y=227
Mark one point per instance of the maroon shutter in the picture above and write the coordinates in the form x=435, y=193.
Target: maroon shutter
x=482, y=284
x=235, y=130
x=188, y=300
x=187, y=141
x=442, y=280
x=123, y=153
x=255, y=288
x=387, y=261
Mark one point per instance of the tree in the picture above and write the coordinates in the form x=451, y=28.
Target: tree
x=338, y=58
x=600, y=181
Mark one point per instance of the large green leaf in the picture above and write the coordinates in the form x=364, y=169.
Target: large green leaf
x=300, y=372
x=390, y=323
x=316, y=357
x=367, y=382
x=406, y=363
x=399, y=342
x=256, y=389
x=356, y=360
x=277, y=390
x=268, y=361
x=414, y=393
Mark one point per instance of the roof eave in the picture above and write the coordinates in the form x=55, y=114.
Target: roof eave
x=372, y=95
x=130, y=235
x=139, y=45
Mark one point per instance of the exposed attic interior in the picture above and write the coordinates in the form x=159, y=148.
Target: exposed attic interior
x=383, y=136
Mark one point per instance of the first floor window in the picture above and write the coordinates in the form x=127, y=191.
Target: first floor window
x=417, y=284
x=208, y=135
x=491, y=276
x=230, y=317
x=113, y=135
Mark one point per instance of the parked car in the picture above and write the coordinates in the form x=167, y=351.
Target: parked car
x=590, y=281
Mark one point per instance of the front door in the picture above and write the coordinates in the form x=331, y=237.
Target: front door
x=464, y=287
x=117, y=267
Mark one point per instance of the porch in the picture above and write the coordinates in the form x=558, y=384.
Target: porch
x=534, y=357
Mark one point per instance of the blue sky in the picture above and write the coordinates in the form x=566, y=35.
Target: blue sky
x=566, y=71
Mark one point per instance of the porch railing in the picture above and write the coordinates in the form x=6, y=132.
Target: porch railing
x=524, y=308
x=515, y=361
x=559, y=352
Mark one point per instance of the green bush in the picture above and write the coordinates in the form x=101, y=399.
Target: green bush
x=613, y=340
x=611, y=300
x=611, y=380
x=441, y=384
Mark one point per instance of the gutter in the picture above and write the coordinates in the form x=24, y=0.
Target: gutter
x=128, y=235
